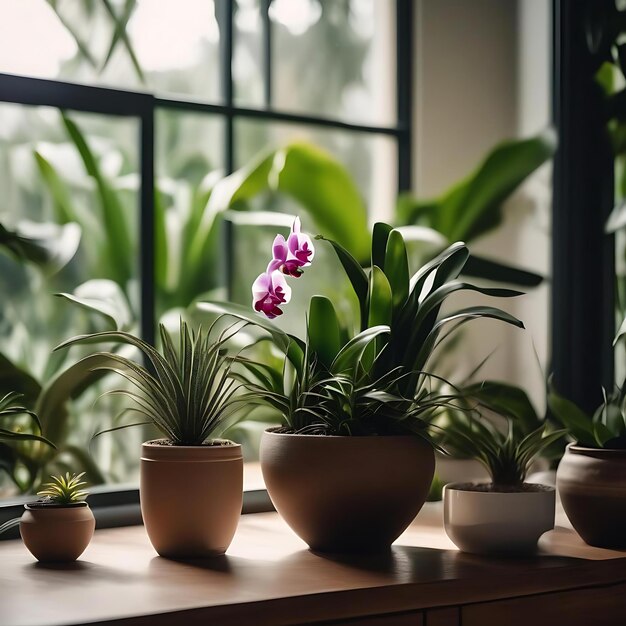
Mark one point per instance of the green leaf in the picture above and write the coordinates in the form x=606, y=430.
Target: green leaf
x=120, y=251
x=574, y=419
x=507, y=400
x=479, y=267
x=317, y=181
x=473, y=207
x=350, y=355
x=323, y=330
x=15, y=379
x=397, y=269
x=120, y=33
x=380, y=299
x=47, y=245
x=104, y=297
x=617, y=219
x=356, y=275
x=380, y=235
x=51, y=406
x=292, y=346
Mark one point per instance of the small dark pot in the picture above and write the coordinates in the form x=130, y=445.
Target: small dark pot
x=57, y=532
x=592, y=485
x=347, y=494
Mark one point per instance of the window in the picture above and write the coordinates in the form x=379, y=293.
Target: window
x=118, y=115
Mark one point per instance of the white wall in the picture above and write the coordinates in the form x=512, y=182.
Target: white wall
x=482, y=76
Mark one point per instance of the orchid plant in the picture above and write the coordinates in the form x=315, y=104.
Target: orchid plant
x=289, y=257
x=374, y=381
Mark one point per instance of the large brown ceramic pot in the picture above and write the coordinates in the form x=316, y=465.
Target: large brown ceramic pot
x=57, y=532
x=592, y=485
x=347, y=494
x=191, y=497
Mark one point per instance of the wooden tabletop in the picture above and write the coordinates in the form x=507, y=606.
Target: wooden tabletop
x=270, y=577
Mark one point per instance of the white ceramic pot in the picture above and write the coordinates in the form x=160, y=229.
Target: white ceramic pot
x=485, y=522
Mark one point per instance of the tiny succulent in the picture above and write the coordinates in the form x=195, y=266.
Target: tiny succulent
x=66, y=489
x=187, y=393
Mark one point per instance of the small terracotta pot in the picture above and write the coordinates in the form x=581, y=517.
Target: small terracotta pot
x=57, y=532
x=347, y=494
x=491, y=522
x=592, y=486
x=191, y=497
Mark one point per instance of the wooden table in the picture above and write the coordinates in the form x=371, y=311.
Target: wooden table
x=269, y=577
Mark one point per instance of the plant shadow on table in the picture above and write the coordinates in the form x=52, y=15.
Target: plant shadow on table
x=83, y=569
x=222, y=564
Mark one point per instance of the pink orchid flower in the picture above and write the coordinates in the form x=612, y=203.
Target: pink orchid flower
x=269, y=291
x=292, y=255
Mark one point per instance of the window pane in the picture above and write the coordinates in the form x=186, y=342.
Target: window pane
x=47, y=191
x=189, y=160
x=248, y=69
x=162, y=48
x=335, y=58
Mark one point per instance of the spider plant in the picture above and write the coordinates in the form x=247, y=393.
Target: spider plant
x=66, y=489
x=188, y=392
x=506, y=454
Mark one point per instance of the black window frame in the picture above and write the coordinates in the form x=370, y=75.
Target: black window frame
x=116, y=505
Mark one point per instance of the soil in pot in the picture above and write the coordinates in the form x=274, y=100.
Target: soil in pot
x=57, y=532
x=346, y=494
x=482, y=519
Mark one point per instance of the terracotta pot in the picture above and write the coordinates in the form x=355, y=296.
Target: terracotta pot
x=347, y=494
x=592, y=486
x=490, y=522
x=57, y=532
x=191, y=497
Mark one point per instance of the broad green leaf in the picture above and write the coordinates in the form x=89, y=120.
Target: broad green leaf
x=579, y=425
x=380, y=235
x=323, y=330
x=47, y=245
x=15, y=379
x=473, y=207
x=397, y=268
x=506, y=400
x=104, y=297
x=318, y=182
x=350, y=355
x=356, y=275
x=479, y=267
x=51, y=406
x=380, y=299
x=120, y=249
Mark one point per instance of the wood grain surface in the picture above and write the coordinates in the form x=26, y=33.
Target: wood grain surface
x=270, y=577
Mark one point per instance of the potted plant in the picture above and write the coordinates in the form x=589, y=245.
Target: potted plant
x=60, y=525
x=506, y=515
x=191, y=482
x=352, y=465
x=591, y=477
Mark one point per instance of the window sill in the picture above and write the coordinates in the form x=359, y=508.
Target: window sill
x=269, y=577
